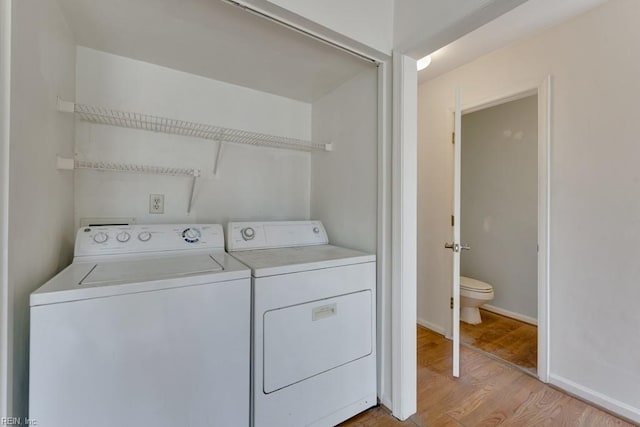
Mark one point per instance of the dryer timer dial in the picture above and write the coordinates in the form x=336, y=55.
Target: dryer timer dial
x=248, y=233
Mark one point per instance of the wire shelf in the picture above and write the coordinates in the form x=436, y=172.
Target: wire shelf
x=107, y=116
x=133, y=168
x=71, y=164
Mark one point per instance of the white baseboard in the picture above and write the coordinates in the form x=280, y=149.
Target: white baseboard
x=512, y=314
x=432, y=326
x=620, y=408
x=386, y=402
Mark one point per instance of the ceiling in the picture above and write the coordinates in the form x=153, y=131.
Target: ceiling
x=525, y=20
x=213, y=39
x=422, y=26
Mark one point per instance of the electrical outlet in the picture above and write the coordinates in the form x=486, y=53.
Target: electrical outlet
x=156, y=203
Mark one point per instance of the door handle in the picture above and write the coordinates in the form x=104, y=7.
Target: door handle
x=453, y=246
x=456, y=247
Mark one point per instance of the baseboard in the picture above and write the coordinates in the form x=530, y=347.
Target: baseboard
x=386, y=402
x=512, y=314
x=615, y=406
x=432, y=326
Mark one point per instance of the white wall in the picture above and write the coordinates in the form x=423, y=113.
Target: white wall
x=500, y=202
x=366, y=21
x=594, y=270
x=344, y=182
x=252, y=182
x=41, y=228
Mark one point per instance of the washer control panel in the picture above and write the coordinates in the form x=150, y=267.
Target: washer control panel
x=123, y=239
x=242, y=236
x=191, y=235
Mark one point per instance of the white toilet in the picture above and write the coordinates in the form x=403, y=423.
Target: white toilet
x=473, y=293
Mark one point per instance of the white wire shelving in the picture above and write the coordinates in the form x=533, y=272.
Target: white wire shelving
x=131, y=120
x=134, y=168
x=108, y=116
x=71, y=164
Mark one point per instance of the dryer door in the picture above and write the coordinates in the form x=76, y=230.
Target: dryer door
x=305, y=340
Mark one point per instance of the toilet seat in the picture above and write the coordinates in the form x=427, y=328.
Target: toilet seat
x=473, y=285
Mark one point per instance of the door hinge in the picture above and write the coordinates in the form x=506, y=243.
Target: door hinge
x=453, y=220
x=453, y=137
x=451, y=303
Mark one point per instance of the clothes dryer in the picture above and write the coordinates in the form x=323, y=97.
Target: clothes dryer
x=314, y=323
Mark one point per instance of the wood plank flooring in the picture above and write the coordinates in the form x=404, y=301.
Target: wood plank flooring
x=488, y=393
x=509, y=339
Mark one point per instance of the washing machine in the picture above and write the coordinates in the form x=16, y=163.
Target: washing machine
x=149, y=326
x=313, y=335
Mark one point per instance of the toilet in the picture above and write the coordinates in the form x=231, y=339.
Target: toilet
x=473, y=293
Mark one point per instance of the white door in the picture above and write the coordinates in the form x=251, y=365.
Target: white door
x=455, y=246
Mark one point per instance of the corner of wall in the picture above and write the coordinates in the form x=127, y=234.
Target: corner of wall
x=40, y=196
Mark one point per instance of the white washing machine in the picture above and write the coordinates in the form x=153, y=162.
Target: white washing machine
x=150, y=326
x=314, y=349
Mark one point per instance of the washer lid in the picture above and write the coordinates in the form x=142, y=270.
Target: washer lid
x=474, y=285
x=147, y=270
x=85, y=280
x=271, y=262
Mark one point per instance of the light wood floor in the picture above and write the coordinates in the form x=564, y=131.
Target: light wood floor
x=488, y=393
x=509, y=339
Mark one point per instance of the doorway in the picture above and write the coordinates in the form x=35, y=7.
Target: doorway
x=499, y=187
x=543, y=124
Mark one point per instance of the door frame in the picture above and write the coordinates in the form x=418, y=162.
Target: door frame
x=404, y=242
x=544, y=92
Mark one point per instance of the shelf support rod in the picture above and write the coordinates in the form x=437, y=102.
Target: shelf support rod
x=218, y=153
x=196, y=174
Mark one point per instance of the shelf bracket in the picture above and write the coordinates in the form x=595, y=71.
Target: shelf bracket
x=63, y=163
x=218, y=153
x=66, y=106
x=196, y=174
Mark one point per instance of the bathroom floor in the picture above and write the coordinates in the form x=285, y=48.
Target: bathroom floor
x=511, y=340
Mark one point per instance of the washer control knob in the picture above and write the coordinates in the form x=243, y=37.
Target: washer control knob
x=191, y=235
x=123, y=237
x=100, y=237
x=316, y=230
x=248, y=233
x=144, y=236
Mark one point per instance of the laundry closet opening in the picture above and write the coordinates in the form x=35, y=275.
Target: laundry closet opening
x=201, y=112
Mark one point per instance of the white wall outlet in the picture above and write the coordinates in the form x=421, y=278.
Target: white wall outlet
x=156, y=203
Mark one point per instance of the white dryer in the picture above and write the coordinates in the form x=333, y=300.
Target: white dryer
x=314, y=349
x=149, y=326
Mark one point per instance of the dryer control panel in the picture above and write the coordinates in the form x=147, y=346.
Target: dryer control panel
x=129, y=239
x=242, y=236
